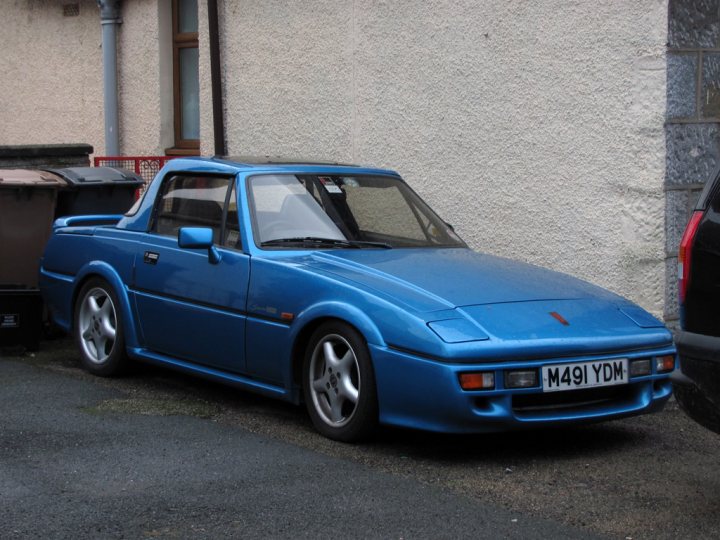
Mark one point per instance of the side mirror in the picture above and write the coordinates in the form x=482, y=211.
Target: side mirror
x=199, y=238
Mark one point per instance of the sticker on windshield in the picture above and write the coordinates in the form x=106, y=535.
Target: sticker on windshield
x=331, y=186
x=350, y=181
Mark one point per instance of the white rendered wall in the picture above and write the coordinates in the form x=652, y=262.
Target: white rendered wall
x=145, y=77
x=535, y=127
x=51, y=83
x=51, y=88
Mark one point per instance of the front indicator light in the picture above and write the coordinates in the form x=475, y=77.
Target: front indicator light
x=664, y=363
x=477, y=381
x=521, y=379
x=641, y=367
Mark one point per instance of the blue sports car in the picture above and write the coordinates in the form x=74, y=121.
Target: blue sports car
x=338, y=286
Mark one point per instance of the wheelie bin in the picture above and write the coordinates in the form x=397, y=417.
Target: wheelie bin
x=27, y=209
x=96, y=190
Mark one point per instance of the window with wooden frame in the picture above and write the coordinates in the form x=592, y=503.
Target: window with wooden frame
x=186, y=78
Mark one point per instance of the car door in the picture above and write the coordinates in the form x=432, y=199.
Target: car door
x=188, y=307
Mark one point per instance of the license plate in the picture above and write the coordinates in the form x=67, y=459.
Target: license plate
x=585, y=375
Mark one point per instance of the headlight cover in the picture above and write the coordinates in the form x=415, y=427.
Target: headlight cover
x=457, y=331
x=641, y=317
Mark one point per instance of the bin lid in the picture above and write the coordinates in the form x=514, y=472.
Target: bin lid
x=101, y=176
x=15, y=178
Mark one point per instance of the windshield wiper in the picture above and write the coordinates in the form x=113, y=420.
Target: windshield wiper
x=307, y=241
x=313, y=241
x=367, y=243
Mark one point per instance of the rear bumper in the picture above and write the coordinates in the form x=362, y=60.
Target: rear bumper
x=425, y=394
x=700, y=364
x=697, y=388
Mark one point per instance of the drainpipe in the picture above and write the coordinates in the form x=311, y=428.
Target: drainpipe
x=110, y=20
x=216, y=80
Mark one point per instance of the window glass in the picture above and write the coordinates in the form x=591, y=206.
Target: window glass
x=187, y=16
x=189, y=92
x=232, y=226
x=357, y=209
x=190, y=201
x=284, y=209
x=386, y=209
x=383, y=210
x=186, y=78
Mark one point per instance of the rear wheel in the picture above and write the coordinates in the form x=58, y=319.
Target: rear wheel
x=98, y=329
x=339, y=383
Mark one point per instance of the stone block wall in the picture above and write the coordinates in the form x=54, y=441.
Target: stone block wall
x=692, y=129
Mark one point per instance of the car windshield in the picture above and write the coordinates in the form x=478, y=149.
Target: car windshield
x=338, y=211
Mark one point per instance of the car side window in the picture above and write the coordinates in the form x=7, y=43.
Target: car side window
x=198, y=201
x=231, y=233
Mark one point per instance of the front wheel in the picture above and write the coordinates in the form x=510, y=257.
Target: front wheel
x=339, y=383
x=99, y=330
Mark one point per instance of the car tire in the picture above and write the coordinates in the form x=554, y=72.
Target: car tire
x=98, y=329
x=339, y=383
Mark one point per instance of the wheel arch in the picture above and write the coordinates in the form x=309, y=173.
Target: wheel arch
x=104, y=271
x=344, y=406
x=312, y=319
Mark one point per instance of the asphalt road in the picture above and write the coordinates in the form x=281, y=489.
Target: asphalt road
x=162, y=455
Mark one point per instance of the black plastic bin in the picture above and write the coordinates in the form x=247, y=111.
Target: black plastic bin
x=20, y=318
x=96, y=190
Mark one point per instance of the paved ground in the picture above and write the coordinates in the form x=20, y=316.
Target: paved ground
x=161, y=455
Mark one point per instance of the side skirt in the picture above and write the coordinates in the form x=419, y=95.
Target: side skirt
x=216, y=375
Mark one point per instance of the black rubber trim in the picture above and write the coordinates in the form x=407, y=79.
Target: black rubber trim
x=698, y=346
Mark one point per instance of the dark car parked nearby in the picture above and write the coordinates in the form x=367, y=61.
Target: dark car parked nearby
x=697, y=385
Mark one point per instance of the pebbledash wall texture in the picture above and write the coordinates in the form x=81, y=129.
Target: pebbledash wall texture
x=51, y=89
x=536, y=128
x=693, y=119
x=51, y=74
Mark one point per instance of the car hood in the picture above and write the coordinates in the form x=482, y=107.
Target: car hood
x=426, y=280
x=518, y=310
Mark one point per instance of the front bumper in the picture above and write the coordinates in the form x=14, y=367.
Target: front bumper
x=425, y=394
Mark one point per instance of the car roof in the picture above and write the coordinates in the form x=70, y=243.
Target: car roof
x=269, y=164
x=279, y=160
